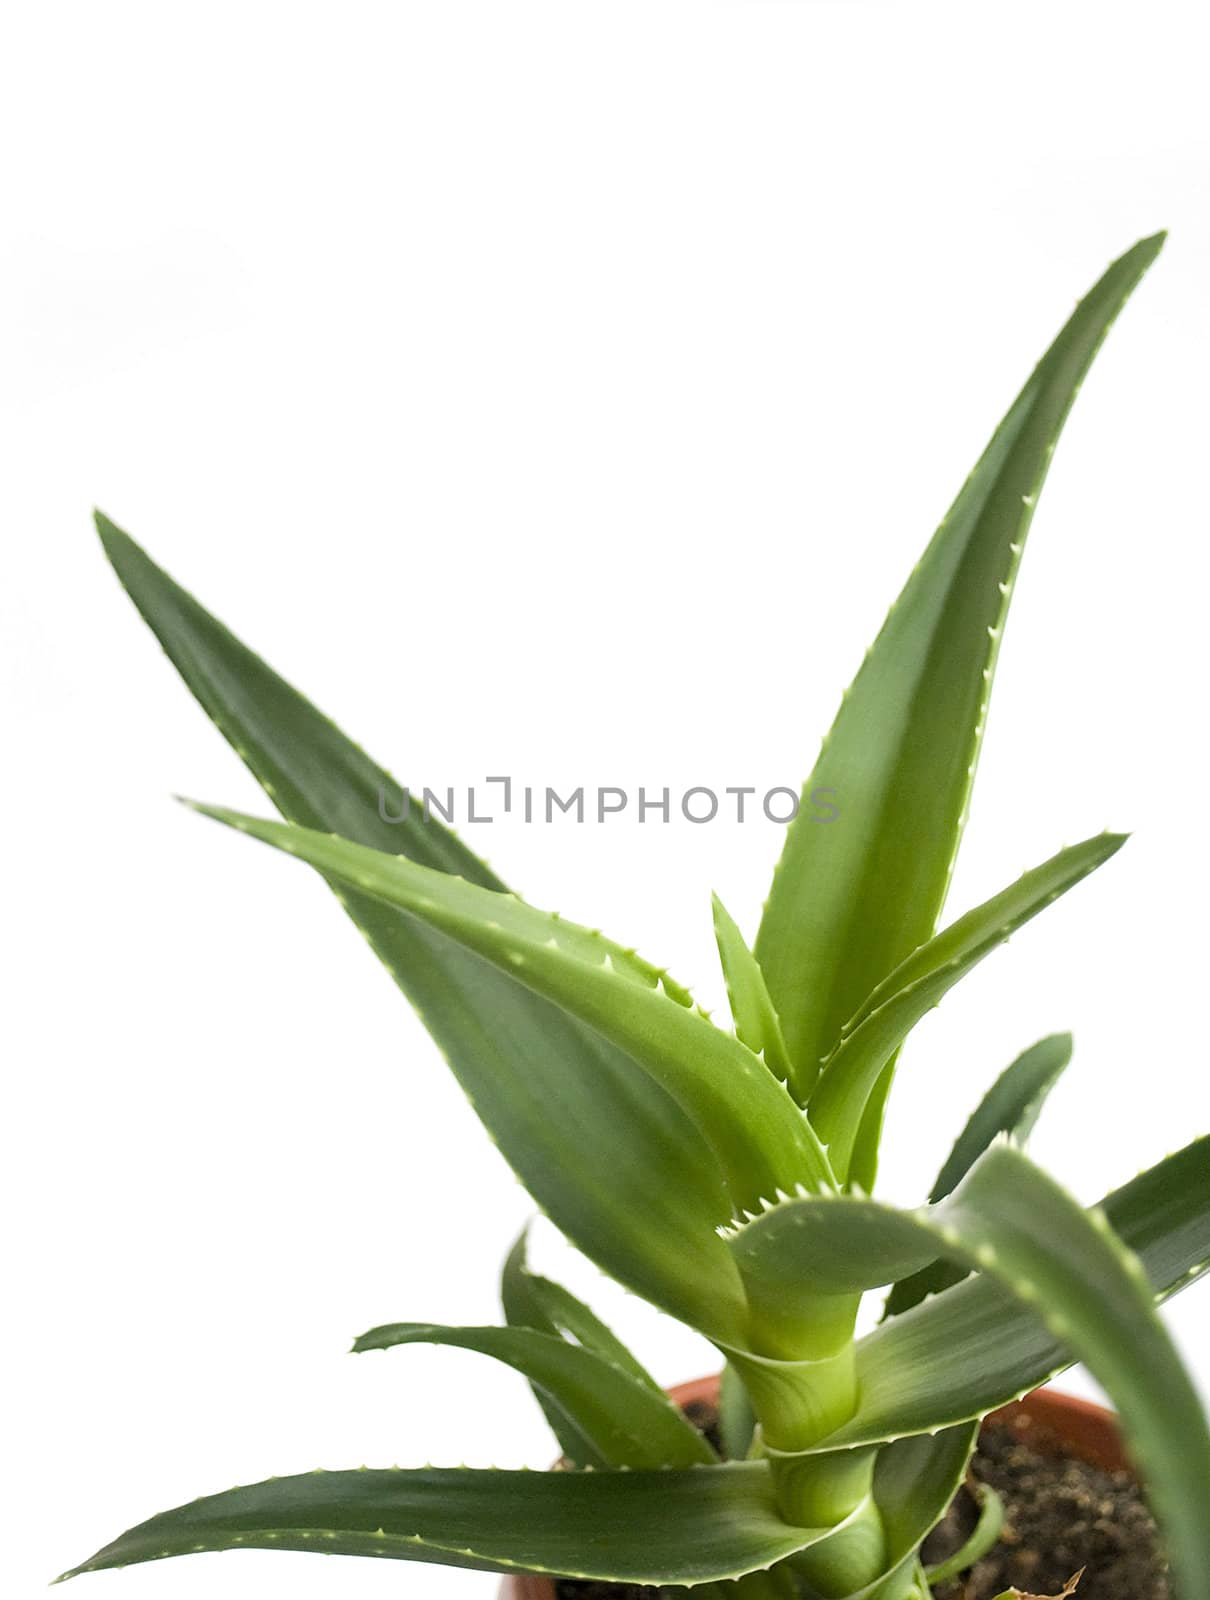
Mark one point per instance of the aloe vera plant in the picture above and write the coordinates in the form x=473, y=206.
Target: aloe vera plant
x=729, y=1173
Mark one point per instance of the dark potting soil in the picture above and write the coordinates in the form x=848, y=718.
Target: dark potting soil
x=1061, y=1514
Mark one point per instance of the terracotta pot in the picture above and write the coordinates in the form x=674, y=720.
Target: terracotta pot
x=1050, y=1419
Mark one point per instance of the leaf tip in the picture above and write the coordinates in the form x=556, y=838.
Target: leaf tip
x=118, y=546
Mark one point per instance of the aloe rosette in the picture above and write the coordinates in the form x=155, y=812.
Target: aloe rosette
x=729, y=1178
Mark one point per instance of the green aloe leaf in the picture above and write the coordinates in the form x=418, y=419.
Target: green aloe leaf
x=532, y=1301
x=1163, y=1215
x=644, y=1195
x=979, y=1541
x=685, y=1526
x=914, y=1482
x=851, y=1074
x=1011, y=1106
x=964, y=1352
x=1071, y=1271
x=756, y=1022
x=761, y=1140
x=615, y=1420
x=736, y=1418
x=851, y=901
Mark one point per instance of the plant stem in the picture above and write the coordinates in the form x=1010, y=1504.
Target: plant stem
x=798, y=1403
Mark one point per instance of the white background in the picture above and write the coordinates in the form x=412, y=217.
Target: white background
x=565, y=390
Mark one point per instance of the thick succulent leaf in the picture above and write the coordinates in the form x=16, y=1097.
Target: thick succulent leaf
x=1011, y=1106
x=524, y=1308
x=919, y=983
x=644, y=1194
x=849, y=902
x=914, y=1482
x=1163, y=1215
x=818, y=1247
x=961, y=1354
x=689, y=1526
x=756, y=1021
x=1075, y=1275
x=964, y=1352
x=736, y=1417
x=532, y=1301
x=618, y=1420
x=979, y=1541
x=761, y=1140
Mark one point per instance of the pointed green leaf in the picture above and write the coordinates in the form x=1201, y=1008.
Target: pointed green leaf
x=811, y=1248
x=914, y=1482
x=1071, y=1271
x=621, y=1421
x=688, y=1526
x=644, y=1195
x=979, y=1541
x=971, y=1349
x=736, y=1418
x=961, y=1354
x=920, y=982
x=851, y=901
x=761, y=1140
x=965, y=1352
x=1163, y=1215
x=532, y=1301
x=756, y=1023
x=1010, y=1106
